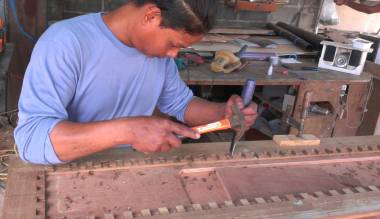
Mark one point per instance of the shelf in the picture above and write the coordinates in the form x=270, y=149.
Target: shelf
x=254, y=6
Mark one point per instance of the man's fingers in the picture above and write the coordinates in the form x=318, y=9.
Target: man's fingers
x=237, y=100
x=164, y=148
x=250, y=120
x=173, y=141
x=249, y=112
x=180, y=129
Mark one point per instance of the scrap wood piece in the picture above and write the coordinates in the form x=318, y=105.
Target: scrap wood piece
x=292, y=140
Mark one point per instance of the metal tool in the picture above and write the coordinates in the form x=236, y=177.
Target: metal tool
x=288, y=120
x=247, y=94
x=314, y=108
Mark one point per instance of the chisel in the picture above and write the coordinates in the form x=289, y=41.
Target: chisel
x=246, y=95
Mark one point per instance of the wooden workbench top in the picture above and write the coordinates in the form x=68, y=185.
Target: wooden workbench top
x=201, y=75
x=339, y=177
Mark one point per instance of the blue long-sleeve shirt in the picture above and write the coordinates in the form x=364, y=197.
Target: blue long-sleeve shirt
x=80, y=72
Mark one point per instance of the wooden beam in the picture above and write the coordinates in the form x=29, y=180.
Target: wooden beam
x=377, y=129
x=32, y=15
x=292, y=140
x=202, y=181
x=252, y=6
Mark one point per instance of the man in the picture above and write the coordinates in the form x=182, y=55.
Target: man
x=94, y=81
x=364, y=6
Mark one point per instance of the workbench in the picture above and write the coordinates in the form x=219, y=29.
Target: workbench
x=341, y=177
x=325, y=84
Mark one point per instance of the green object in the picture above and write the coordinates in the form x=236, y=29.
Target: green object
x=181, y=63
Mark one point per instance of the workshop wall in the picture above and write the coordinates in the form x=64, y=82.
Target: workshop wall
x=368, y=23
x=298, y=12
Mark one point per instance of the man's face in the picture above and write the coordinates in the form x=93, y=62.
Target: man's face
x=164, y=42
x=156, y=41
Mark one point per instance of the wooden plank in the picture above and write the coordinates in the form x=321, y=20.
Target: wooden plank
x=242, y=31
x=370, y=118
x=282, y=49
x=369, y=215
x=290, y=180
x=203, y=185
x=220, y=148
x=293, y=140
x=26, y=194
x=148, y=187
x=356, y=107
x=201, y=75
x=252, y=6
x=141, y=188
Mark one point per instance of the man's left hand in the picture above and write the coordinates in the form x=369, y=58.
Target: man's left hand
x=249, y=112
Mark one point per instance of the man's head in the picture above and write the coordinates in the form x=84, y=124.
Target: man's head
x=165, y=26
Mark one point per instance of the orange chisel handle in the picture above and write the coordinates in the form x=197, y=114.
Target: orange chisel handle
x=212, y=127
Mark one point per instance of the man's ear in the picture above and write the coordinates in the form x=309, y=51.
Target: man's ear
x=152, y=15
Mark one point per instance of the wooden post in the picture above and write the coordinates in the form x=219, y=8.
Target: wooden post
x=377, y=129
x=32, y=15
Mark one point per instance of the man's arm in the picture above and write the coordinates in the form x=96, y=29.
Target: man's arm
x=200, y=112
x=74, y=140
x=360, y=7
x=177, y=100
x=147, y=134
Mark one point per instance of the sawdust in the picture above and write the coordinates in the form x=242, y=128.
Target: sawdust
x=6, y=148
x=6, y=134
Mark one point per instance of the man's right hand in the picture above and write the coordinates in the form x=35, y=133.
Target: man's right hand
x=154, y=134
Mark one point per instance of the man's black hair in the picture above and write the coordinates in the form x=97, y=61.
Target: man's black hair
x=192, y=16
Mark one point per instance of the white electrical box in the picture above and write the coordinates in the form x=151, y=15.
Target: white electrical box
x=348, y=58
